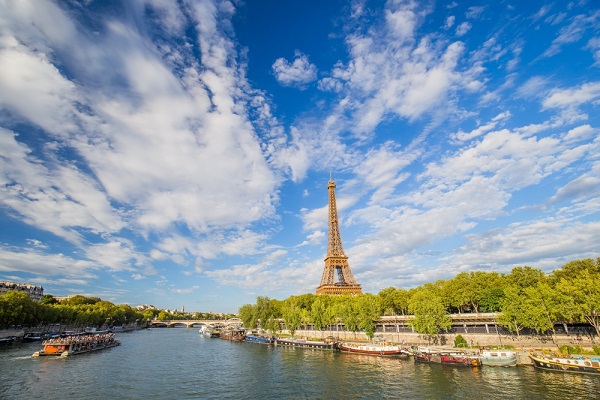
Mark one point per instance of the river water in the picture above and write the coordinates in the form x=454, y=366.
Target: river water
x=181, y=364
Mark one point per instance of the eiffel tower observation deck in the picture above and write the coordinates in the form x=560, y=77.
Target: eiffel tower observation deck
x=336, y=261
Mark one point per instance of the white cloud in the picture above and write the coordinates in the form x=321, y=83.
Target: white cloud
x=46, y=265
x=567, y=98
x=296, y=73
x=463, y=28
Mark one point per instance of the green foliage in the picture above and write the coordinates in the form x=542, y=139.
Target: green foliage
x=566, y=349
x=430, y=315
x=460, y=341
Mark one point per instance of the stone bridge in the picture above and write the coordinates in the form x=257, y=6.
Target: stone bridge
x=191, y=323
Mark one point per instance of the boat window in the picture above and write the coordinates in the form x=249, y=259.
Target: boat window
x=494, y=354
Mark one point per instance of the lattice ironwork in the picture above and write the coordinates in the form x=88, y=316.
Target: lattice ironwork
x=336, y=261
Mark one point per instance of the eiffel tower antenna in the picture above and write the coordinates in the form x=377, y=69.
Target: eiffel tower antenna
x=336, y=260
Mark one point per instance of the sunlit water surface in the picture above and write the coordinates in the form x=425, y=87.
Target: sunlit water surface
x=181, y=364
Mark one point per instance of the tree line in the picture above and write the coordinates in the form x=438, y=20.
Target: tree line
x=18, y=309
x=526, y=298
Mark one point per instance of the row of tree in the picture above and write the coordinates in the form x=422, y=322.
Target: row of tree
x=525, y=298
x=18, y=309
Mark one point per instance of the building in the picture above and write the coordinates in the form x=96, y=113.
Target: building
x=35, y=292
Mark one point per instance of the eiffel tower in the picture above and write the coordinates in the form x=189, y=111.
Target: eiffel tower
x=336, y=260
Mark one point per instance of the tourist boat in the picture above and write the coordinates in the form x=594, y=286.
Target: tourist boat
x=77, y=344
x=235, y=335
x=499, y=358
x=252, y=338
x=379, y=349
x=563, y=364
x=327, y=344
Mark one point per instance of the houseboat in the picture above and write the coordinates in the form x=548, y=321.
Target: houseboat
x=253, y=338
x=499, y=358
x=567, y=364
x=379, y=349
x=72, y=345
x=235, y=335
x=446, y=357
x=327, y=344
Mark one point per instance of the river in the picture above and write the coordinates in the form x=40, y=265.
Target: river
x=178, y=363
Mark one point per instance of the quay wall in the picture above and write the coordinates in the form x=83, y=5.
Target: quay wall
x=525, y=342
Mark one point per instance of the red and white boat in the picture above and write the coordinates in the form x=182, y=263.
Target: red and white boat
x=379, y=349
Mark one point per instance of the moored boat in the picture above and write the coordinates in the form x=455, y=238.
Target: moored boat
x=8, y=340
x=72, y=345
x=499, y=358
x=252, y=338
x=235, y=335
x=326, y=344
x=447, y=358
x=379, y=349
x=33, y=337
x=567, y=364
x=210, y=331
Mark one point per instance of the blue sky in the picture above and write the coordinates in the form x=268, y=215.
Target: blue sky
x=177, y=153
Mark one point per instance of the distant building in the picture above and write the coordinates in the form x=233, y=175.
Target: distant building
x=143, y=307
x=35, y=292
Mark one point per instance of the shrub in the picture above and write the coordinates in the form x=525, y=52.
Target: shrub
x=460, y=341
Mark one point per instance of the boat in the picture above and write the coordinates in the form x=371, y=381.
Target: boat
x=327, y=344
x=210, y=331
x=567, y=364
x=446, y=357
x=8, y=340
x=379, y=349
x=235, y=335
x=257, y=338
x=33, y=337
x=77, y=344
x=499, y=358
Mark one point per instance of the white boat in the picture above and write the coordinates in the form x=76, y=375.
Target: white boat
x=379, y=349
x=498, y=358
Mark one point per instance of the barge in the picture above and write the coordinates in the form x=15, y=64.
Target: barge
x=73, y=345
x=579, y=365
x=380, y=349
x=309, y=344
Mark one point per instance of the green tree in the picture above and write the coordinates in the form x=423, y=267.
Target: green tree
x=247, y=314
x=581, y=298
x=292, y=314
x=368, y=312
x=430, y=316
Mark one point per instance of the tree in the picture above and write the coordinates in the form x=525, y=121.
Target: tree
x=574, y=269
x=292, y=314
x=347, y=309
x=48, y=299
x=429, y=312
x=581, y=298
x=541, y=307
x=247, y=313
x=393, y=301
x=524, y=277
x=368, y=312
x=511, y=316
